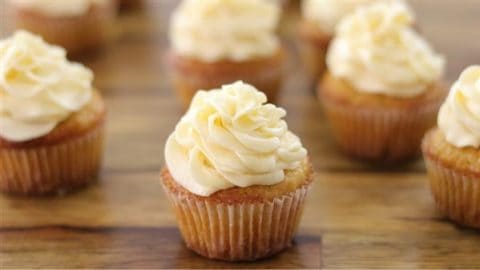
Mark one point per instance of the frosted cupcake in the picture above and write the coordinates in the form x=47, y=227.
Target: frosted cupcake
x=76, y=25
x=235, y=175
x=317, y=27
x=216, y=42
x=51, y=119
x=452, y=152
x=381, y=92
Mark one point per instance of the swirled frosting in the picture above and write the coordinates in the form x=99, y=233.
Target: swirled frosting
x=59, y=7
x=214, y=30
x=326, y=14
x=229, y=137
x=39, y=88
x=377, y=51
x=459, y=117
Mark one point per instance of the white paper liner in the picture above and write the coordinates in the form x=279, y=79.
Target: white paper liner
x=239, y=232
x=381, y=135
x=52, y=168
x=456, y=195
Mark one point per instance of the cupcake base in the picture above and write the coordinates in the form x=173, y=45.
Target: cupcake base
x=66, y=158
x=454, y=176
x=313, y=46
x=56, y=168
x=189, y=75
x=76, y=34
x=240, y=229
x=378, y=128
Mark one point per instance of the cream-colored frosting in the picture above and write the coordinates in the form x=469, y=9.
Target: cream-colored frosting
x=229, y=137
x=377, y=51
x=459, y=117
x=326, y=14
x=59, y=7
x=214, y=30
x=39, y=88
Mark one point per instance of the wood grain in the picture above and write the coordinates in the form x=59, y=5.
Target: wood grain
x=357, y=215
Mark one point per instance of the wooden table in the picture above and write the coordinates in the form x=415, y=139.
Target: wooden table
x=357, y=216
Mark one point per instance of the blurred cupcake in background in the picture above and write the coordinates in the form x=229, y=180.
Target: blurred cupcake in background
x=216, y=42
x=317, y=28
x=51, y=119
x=76, y=25
x=452, y=152
x=236, y=177
x=382, y=90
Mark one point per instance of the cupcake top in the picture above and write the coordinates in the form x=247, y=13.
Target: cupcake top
x=39, y=88
x=459, y=117
x=59, y=7
x=215, y=30
x=230, y=137
x=326, y=14
x=377, y=51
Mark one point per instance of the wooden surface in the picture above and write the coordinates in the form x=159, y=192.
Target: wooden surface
x=357, y=216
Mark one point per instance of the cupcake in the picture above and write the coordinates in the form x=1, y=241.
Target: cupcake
x=76, y=25
x=51, y=119
x=382, y=90
x=317, y=27
x=452, y=152
x=216, y=42
x=236, y=177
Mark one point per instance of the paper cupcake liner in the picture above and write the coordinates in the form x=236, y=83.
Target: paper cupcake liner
x=52, y=168
x=187, y=84
x=379, y=134
x=238, y=232
x=75, y=33
x=456, y=194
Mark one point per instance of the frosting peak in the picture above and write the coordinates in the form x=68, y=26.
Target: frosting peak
x=59, y=7
x=459, y=117
x=328, y=13
x=377, y=51
x=213, y=30
x=38, y=87
x=229, y=137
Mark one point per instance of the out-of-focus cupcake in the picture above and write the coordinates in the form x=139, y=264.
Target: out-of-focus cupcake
x=236, y=176
x=452, y=152
x=51, y=119
x=317, y=27
x=76, y=25
x=216, y=42
x=382, y=90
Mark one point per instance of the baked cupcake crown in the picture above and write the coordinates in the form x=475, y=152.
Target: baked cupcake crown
x=230, y=137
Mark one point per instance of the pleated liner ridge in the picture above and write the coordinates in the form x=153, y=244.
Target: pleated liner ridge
x=379, y=134
x=239, y=232
x=52, y=168
x=456, y=194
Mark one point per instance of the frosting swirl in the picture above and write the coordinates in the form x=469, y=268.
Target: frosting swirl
x=229, y=137
x=39, y=88
x=59, y=7
x=326, y=14
x=459, y=117
x=377, y=51
x=213, y=30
